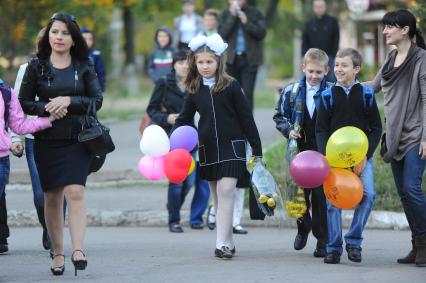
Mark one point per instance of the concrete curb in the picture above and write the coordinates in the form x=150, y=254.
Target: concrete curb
x=157, y=218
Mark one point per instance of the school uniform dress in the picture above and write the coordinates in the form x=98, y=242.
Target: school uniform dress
x=226, y=123
x=61, y=160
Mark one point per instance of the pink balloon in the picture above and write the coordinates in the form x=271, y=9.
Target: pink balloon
x=151, y=167
x=309, y=169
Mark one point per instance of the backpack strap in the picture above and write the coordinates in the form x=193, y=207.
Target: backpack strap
x=6, y=92
x=367, y=98
x=327, y=99
x=293, y=94
x=328, y=85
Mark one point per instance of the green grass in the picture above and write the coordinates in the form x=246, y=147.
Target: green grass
x=386, y=194
x=265, y=98
x=120, y=105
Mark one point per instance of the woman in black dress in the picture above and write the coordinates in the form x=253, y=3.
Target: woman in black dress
x=64, y=82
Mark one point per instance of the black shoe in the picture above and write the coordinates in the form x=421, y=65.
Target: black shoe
x=80, y=264
x=354, y=253
x=175, y=228
x=224, y=252
x=46, y=240
x=300, y=241
x=58, y=270
x=51, y=253
x=197, y=226
x=320, y=252
x=332, y=258
x=3, y=248
x=239, y=230
x=211, y=218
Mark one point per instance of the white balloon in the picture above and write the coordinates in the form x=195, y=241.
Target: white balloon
x=155, y=141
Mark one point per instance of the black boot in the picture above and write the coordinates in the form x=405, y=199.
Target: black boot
x=420, y=242
x=3, y=246
x=411, y=257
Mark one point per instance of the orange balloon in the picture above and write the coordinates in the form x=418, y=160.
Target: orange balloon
x=343, y=188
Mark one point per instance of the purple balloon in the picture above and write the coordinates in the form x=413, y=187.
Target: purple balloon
x=309, y=169
x=185, y=137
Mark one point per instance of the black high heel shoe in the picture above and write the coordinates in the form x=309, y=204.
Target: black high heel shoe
x=58, y=270
x=80, y=264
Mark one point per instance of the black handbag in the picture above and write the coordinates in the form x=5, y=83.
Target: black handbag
x=94, y=135
x=97, y=163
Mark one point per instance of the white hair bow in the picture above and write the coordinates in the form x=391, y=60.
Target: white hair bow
x=214, y=42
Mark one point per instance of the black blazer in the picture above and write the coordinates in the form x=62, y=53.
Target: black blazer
x=167, y=98
x=82, y=86
x=321, y=33
x=254, y=33
x=226, y=122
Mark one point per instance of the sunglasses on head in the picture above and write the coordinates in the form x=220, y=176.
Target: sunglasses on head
x=57, y=16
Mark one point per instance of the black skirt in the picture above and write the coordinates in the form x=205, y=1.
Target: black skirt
x=61, y=163
x=234, y=168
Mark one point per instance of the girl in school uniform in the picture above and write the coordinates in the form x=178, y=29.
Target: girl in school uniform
x=226, y=123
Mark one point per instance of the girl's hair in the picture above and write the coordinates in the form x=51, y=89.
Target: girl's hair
x=79, y=50
x=402, y=18
x=193, y=80
x=179, y=55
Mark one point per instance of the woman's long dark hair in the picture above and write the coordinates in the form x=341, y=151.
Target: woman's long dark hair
x=404, y=18
x=78, y=51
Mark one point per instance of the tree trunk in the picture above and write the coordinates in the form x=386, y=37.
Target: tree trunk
x=251, y=2
x=128, y=35
x=271, y=11
x=209, y=4
x=130, y=66
x=297, y=41
x=116, y=29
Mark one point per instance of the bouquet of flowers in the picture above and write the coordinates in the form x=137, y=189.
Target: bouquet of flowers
x=294, y=195
x=264, y=186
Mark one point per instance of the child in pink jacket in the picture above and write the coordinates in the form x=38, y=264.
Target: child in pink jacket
x=19, y=124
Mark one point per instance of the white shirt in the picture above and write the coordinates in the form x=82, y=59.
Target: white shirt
x=310, y=102
x=187, y=28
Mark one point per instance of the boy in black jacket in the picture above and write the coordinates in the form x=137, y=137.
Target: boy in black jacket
x=298, y=105
x=349, y=105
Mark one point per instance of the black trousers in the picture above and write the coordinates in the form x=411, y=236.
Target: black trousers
x=4, y=229
x=315, y=200
x=245, y=75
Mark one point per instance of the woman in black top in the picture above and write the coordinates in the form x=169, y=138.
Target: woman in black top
x=226, y=122
x=164, y=107
x=65, y=83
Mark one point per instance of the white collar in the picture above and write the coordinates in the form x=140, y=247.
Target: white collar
x=347, y=89
x=315, y=87
x=209, y=81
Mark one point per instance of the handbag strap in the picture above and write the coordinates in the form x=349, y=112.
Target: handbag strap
x=90, y=112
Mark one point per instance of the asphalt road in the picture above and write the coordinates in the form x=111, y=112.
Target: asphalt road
x=155, y=255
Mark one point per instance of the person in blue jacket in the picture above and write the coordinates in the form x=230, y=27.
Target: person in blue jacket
x=96, y=56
